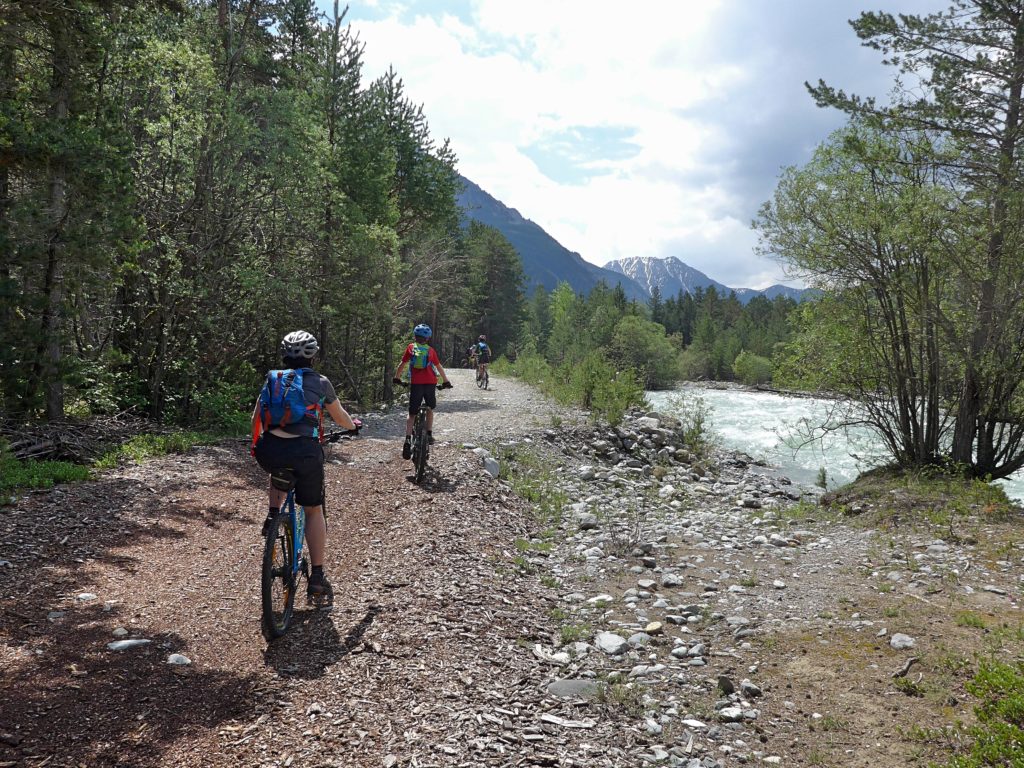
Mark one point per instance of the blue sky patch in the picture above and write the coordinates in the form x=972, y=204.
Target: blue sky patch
x=578, y=153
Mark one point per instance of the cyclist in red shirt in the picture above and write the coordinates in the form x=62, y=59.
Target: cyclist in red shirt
x=424, y=368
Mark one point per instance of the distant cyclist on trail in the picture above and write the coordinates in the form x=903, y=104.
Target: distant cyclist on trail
x=294, y=443
x=425, y=368
x=482, y=353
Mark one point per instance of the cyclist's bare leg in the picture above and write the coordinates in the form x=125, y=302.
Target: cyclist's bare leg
x=409, y=423
x=316, y=534
x=430, y=419
x=277, y=497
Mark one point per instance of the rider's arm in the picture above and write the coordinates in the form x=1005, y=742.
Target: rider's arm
x=339, y=414
x=401, y=369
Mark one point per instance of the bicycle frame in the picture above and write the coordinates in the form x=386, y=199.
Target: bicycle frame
x=297, y=518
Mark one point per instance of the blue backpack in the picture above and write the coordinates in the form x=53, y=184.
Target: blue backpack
x=282, y=401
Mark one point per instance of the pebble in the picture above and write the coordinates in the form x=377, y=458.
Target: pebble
x=178, y=660
x=124, y=645
x=901, y=642
x=574, y=689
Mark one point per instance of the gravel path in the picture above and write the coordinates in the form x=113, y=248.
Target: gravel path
x=648, y=608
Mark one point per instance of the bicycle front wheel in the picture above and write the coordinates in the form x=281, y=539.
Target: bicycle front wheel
x=278, y=580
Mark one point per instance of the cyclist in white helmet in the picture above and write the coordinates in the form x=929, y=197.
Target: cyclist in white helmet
x=297, y=446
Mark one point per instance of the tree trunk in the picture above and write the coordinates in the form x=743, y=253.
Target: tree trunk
x=974, y=392
x=6, y=92
x=60, y=91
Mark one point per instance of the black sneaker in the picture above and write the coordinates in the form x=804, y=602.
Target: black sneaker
x=407, y=449
x=319, y=589
x=266, y=526
x=430, y=439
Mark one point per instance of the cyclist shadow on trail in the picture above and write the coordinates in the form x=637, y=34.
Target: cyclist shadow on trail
x=433, y=482
x=464, y=406
x=313, y=644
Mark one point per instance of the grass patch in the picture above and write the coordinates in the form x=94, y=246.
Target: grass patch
x=592, y=383
x=142, y=447
x=830, y=723
x=908, y=687
x=624, y=697
x=927, y=498
x=970, y=619
x=574, y=633
x=533, y=480
x=16, y=474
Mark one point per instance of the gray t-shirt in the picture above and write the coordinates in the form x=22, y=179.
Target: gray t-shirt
x=316, y=389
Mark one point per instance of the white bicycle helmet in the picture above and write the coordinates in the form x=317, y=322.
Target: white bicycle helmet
x=299, y=344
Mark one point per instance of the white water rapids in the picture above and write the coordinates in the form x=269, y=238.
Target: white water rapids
x=767, y=426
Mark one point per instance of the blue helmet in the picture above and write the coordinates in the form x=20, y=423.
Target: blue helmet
x=422, y=330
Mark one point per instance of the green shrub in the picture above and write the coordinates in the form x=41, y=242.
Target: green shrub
x=642, y=345
x=226, y=408
x=592, y=383
x=752, y=369
x=998, y=736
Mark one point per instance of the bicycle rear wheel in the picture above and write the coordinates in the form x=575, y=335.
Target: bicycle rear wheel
x=487, y=379
x=421, y=448
x=278, y=579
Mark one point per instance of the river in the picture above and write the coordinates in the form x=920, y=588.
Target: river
x=766, y=426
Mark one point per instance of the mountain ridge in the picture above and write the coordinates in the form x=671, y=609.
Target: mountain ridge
x=547, y=262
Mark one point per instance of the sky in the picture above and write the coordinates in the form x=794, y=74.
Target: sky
x=655, y=128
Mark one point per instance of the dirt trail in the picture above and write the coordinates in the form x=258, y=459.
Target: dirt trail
x=451, y=599
x=422, y=640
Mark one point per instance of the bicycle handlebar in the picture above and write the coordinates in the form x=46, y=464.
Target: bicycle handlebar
x=442, y=385
x=338, y=434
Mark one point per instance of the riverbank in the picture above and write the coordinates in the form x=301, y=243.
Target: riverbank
x=737, y=622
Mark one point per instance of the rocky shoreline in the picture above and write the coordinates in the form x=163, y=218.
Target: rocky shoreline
x=671, y=648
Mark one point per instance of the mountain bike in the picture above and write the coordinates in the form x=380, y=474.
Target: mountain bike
x=283, y=559
x=421, y=440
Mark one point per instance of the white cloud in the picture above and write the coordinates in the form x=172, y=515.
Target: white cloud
x=704, y=90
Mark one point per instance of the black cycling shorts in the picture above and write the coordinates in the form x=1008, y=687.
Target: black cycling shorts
x=419, y=393
x=483, y=358
x=303, y=456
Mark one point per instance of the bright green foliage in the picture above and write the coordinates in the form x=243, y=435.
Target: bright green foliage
x=592, y=383
x=642, y=345
x=752, y=369
x=16, y=474
x=714, y=330
x=998, y=737
x=142, y=447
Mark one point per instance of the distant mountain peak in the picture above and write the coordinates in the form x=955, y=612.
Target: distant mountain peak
x=671, y=275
